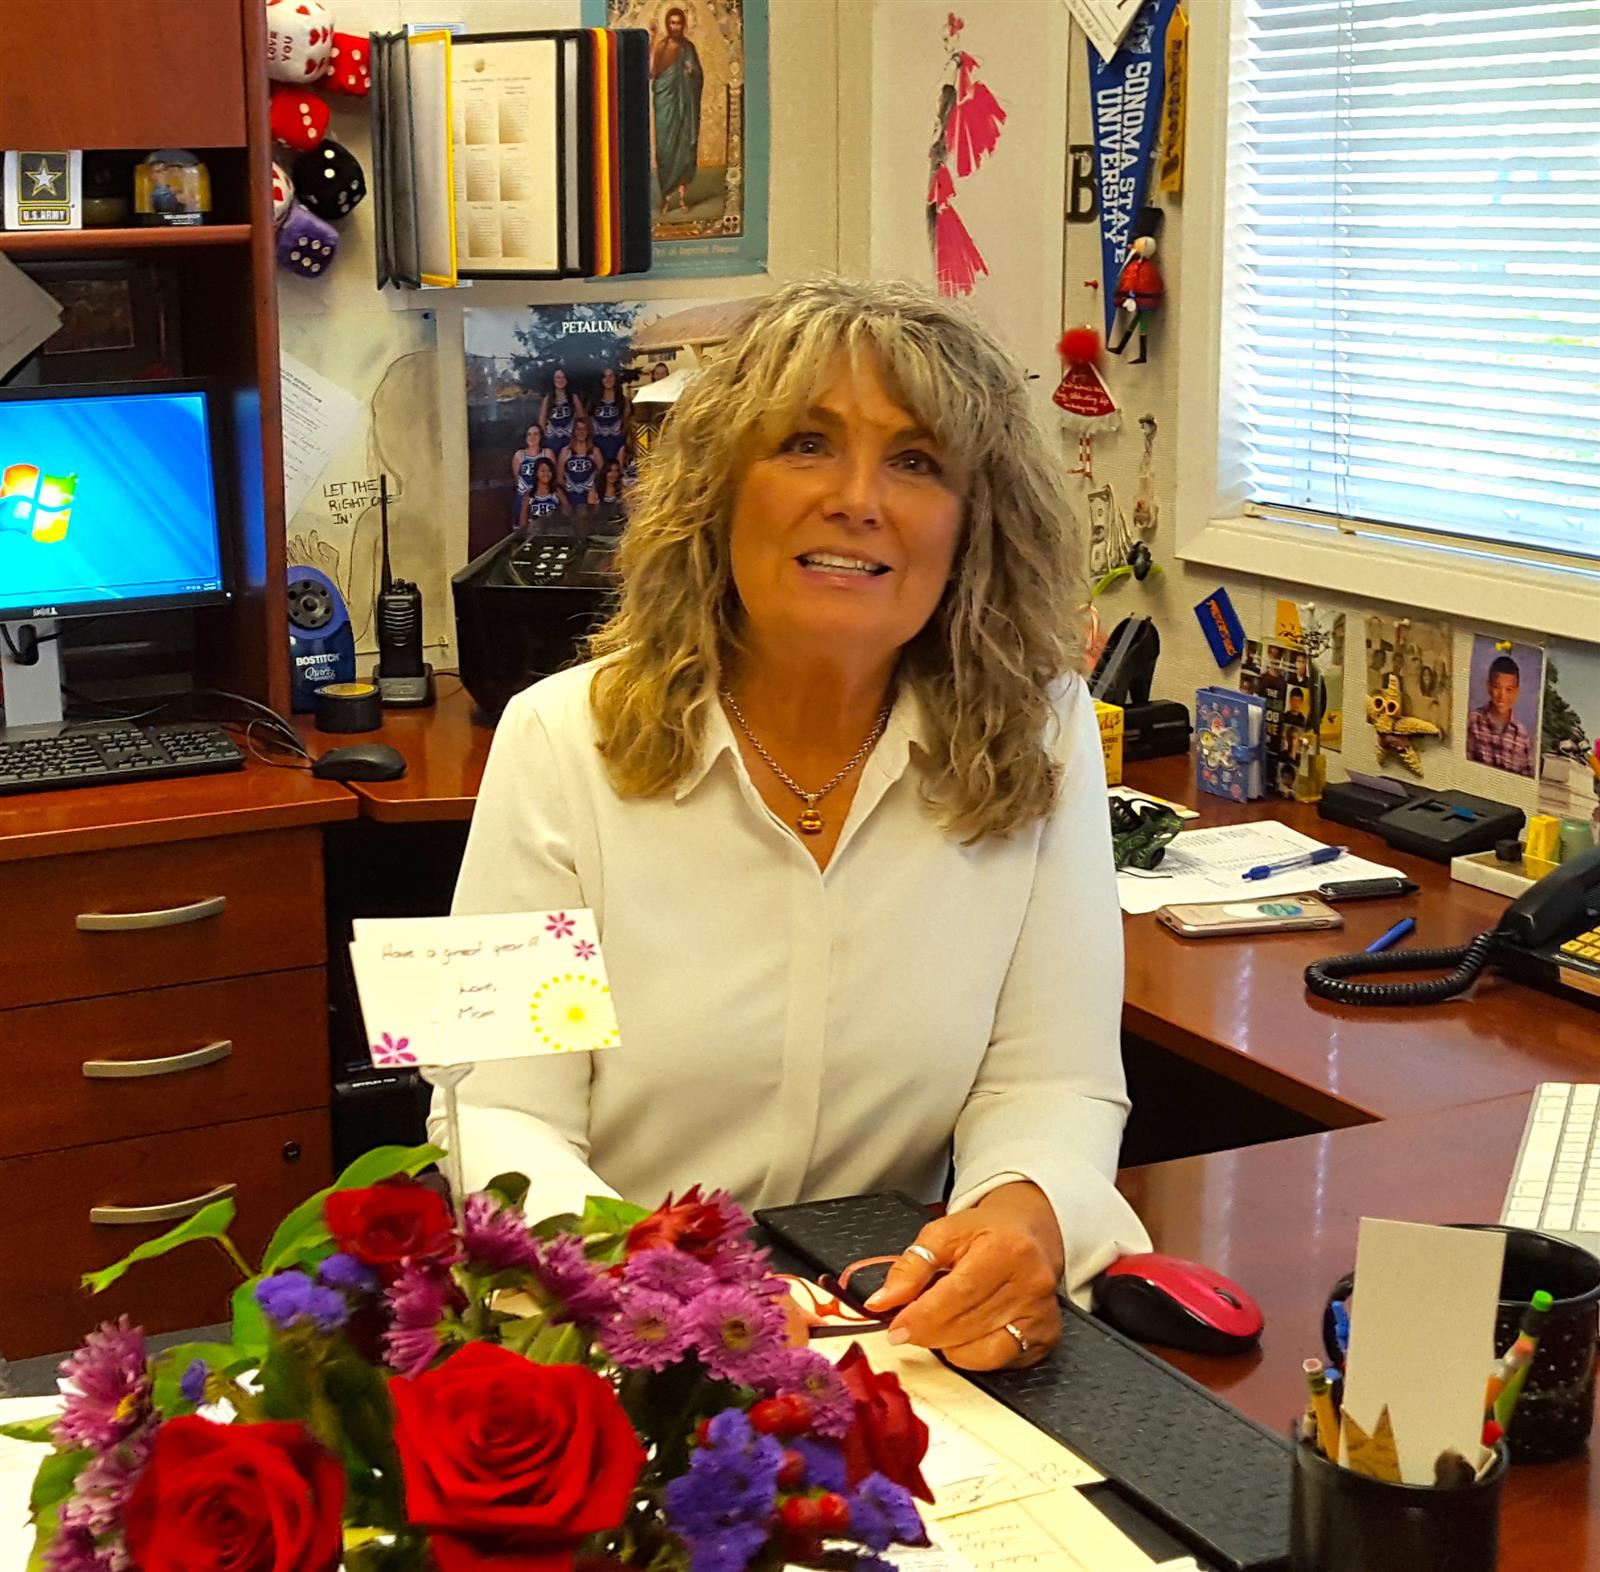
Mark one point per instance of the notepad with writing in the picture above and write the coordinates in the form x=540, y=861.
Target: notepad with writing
x=460, y=990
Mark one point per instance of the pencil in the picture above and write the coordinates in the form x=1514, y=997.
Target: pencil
x=1322, y=1406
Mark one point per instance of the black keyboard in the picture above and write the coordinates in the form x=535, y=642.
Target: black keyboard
x=100, y=753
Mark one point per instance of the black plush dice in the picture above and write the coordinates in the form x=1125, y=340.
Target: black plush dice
x=328, y=180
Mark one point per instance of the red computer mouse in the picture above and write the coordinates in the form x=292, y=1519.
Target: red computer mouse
x=1181, y=1304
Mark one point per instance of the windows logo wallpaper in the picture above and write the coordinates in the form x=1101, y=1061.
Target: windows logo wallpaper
x=36, y=504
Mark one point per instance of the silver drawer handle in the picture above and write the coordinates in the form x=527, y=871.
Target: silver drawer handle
x=172, y=917
x=166, y=1212
x=171, y=1064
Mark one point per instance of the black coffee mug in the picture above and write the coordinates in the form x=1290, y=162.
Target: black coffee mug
x=1341, y=1521
x=1555, y=1413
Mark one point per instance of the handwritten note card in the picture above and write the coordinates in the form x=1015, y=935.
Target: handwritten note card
x=459, y=990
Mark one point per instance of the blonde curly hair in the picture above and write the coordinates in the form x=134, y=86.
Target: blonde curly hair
x=1009, y=625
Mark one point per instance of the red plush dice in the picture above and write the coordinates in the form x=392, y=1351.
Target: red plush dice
x=299, y=117
x=299, y=40
x=349, y=70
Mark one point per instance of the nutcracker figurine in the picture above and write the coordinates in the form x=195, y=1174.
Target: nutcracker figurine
x=1139, y=287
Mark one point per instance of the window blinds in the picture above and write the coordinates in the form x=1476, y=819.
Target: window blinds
x=1411, y=319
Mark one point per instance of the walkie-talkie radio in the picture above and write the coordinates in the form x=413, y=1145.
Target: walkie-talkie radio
x=404, y=678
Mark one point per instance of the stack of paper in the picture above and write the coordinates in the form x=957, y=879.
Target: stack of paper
x=28, y=316
x=1209, y=865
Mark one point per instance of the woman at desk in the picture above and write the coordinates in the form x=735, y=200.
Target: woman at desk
x=837, y=801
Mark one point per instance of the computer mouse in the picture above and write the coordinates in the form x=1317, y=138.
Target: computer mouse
x=1180, y=1304
x=361, y=761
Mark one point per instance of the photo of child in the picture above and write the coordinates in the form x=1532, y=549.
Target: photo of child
x=1505, y=686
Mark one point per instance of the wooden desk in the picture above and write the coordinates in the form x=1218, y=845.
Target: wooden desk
x=1239, y=1006
x=446, y=747
x=1281, y=1219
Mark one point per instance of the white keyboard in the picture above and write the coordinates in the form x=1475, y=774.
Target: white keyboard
x=1555, y=1186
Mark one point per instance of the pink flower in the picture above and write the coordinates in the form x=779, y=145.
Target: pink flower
x=495, y=1237
x=584, y=950
x=419, y=1299
x=560, y=925
x=107, y=1388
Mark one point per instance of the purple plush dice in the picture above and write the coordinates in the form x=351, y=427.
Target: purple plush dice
x=306, y=243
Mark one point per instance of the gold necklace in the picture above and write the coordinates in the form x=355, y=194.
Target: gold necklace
x=810, y=821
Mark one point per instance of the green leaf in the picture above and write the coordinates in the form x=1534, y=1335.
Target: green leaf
x=171, y=1364
x=305, y=1229
x=556, y=1345
x=31, y=1430
x=210, y=1222
x=358, y=1394
x=511, y=1188
x=561, y=1223
x=49, y=1520
x=604, y=1214
x=249, y=1322
x=519, y=1333
x=53, y=1483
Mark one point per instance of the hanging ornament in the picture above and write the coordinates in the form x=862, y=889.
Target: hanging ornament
x=1083, y=397
x=1145, y=509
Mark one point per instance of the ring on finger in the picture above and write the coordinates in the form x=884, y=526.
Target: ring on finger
x=922, y=1253
x=1023, y=1345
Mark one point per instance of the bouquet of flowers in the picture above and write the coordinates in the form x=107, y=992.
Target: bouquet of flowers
x=412, y=1391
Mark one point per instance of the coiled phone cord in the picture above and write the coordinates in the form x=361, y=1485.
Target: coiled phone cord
x=1326, y=978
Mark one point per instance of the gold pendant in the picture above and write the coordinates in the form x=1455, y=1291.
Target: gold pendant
x=810, y=822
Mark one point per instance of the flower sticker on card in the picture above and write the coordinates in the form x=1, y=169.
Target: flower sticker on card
x=440, y=991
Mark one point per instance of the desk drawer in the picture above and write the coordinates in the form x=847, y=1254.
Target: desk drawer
x=149, y=916
x=165, y=1059
x=47, y=1240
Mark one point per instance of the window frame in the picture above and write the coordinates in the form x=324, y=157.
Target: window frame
x=1545, y=592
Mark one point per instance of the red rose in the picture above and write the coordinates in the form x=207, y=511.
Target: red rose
x=399, y=1220
x=885, y=1437
x=215, y=1497
x=694, y=1225
x=510, y=1464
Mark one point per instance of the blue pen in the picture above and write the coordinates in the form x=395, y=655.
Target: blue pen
x=1311, y=860
x=1392, y=937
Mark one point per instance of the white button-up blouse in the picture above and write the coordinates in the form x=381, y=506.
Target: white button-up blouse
x=790, y=1033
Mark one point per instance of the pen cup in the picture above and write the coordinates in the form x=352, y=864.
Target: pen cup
x=1340, y=1521
x=1555, y=1413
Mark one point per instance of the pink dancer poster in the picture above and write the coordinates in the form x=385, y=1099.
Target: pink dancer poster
x=968, y=148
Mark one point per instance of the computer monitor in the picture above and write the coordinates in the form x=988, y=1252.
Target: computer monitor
x=109, y=499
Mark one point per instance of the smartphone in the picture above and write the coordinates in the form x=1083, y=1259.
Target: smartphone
x=1286, y=914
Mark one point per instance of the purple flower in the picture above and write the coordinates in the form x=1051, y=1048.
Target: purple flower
x=106, y=1386
x=825, y=1468
x=344, y=1271
x=101, y=1491
x=727, y=1549
x=731, y=1484
x=74, y=1550
x=882, y=1513
x=585, y=1295
x=291, y=1298
x=810, y=1375
x=668, y=1271
x=419, y=1299
x=735, y=1331
x=410, y=1350
x=495, y=1237
x=648, y=1331
x=193, y=1383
